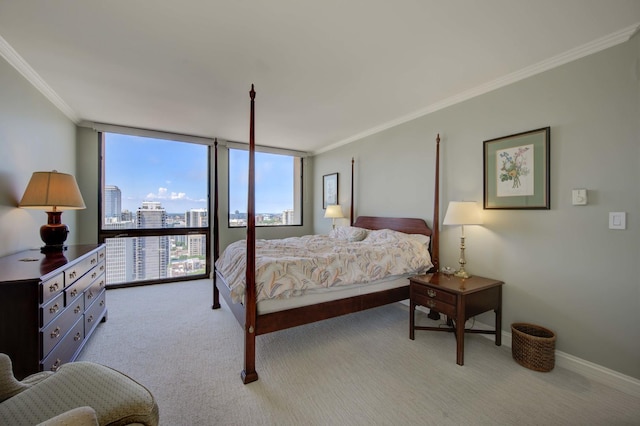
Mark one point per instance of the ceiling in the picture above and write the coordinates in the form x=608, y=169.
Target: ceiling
x=325, y=72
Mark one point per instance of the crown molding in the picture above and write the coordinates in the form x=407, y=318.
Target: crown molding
x=587, y=49
x=16, y=61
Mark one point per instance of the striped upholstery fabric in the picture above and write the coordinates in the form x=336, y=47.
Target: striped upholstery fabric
x=81, y=416
x=116, y=398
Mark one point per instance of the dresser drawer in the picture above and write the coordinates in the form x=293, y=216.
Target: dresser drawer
x=53, y=333
x=94, y=289
x=67, y=348
x=95, y=312
x=51, y=310
x=51, y=287
x=79, y=269
x=77, y=288
x=102, y=255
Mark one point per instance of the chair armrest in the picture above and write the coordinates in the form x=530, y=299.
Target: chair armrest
x=9, y=385
x=81, y=416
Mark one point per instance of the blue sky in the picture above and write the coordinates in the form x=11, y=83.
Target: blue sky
x=175, y=174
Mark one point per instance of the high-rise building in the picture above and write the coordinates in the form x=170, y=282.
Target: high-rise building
x=197, y=244
x=287, y=217
x=119, y=267
x=151, y=254
x=112, y=202
x=197, y=218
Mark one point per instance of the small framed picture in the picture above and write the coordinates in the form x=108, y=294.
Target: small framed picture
x=516, y=171
x=329, y=190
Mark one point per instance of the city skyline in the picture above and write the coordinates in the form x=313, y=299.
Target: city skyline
x=175, y=174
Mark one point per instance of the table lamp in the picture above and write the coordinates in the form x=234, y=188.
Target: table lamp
x=462, y=213
x=333, y=212
x=52, y=192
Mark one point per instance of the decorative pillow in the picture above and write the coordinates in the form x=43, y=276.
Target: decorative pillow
x=349, y=233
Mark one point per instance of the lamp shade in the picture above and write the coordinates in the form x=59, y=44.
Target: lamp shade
x=462, y=213
x=334, y=211
x=52, y=191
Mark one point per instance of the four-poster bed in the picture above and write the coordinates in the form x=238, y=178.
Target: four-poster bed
x=265, y=316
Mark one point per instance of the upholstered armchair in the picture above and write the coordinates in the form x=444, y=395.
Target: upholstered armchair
x=79, y=393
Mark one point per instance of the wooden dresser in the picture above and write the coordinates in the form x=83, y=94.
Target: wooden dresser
x=50, y=304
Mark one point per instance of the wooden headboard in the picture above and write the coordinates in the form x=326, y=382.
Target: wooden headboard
x=406, y=225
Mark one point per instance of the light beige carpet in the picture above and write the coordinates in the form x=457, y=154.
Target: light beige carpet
x=360, y=369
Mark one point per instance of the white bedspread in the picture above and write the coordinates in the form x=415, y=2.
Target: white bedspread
x=287, y=267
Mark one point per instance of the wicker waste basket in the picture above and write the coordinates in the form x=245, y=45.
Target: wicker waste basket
x=533, y=346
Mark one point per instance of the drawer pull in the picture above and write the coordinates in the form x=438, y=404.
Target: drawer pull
x=53, y=287
x=93, y=261
x=431, y=293
x=55, y=333
x=55, y=308
x=74, y=292
x=90, y=295
x=101, y=255
x=94, y=275
x=101, y=268
x=431, y=304
x=90, y=319
x=102, y=303
x=72, y=274
x=56, y=365
x=77, y=309
x=102, y=284
x=77, y=337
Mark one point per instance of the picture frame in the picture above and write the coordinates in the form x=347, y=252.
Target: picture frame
x=329, y=189
x=516, y=171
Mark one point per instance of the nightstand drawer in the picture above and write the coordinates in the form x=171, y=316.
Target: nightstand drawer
x=433, y=293
x=437, y=305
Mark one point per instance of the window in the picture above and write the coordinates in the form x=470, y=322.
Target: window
x=154, y=209
x=278, y=189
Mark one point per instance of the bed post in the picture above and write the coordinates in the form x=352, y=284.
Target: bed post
x=351, y=212
x=216, y=235
x=249, y=374
x=435, y=227
x=435, y=240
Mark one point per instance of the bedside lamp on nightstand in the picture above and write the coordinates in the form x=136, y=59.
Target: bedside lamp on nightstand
x=333, y=212
x=462, y=213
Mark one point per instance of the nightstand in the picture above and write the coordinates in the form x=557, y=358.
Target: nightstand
x=459, y=299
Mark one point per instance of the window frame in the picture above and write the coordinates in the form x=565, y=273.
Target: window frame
x=104, y=234
x=298, y=182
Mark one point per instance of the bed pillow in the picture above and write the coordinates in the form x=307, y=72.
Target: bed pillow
x=423, y=239
x=349, y=233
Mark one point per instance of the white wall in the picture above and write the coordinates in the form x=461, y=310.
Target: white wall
x=563, y=268
x=34, y=136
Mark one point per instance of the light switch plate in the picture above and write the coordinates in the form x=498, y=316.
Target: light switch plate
x=617, y=220
x=579, y=197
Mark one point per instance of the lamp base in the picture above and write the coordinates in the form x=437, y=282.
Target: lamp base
x=54, y=233
x=461, y=273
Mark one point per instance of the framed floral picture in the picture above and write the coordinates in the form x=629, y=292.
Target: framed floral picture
x=329, y=190
x=516, y=171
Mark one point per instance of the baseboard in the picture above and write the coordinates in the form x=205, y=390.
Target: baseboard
x=595, y=372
